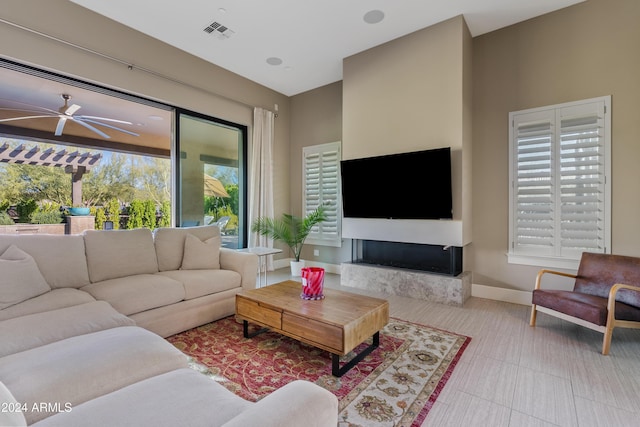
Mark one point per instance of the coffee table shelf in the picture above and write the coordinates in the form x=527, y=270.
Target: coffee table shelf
x=338, y=323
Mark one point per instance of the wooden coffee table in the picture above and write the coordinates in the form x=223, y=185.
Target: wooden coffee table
x=338, y=323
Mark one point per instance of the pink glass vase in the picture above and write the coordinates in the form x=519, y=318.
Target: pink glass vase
x=312, y=283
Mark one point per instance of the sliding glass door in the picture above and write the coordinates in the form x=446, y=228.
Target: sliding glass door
x=211, y=176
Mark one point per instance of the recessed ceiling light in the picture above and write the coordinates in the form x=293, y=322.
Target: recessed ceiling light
x=373, y=16
x=274, y=61
x=156, y=118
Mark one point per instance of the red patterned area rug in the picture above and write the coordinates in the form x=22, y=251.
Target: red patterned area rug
x=397, y=384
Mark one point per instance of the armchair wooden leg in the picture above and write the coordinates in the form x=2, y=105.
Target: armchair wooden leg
x=532, y=321
x=606, y=341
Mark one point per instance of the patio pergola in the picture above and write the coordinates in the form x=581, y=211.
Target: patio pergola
x=76, y=164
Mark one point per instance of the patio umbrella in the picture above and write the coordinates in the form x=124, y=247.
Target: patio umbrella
x=213, y=187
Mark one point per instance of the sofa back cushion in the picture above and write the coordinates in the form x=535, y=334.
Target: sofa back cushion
x=170, y=243
x=20, y=279
x=597, y=273
x=60, y=258
x=118, y=253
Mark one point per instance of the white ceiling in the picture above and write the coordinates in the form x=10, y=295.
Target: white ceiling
x=310, y=37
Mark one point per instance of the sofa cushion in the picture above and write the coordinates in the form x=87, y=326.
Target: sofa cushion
x=169, y=243
x=199, y=255
x=292, y=405
x=119, y=253
x=178, y=398
x=20, y=279
x=27, y=332
x=61, y=259
x=53, y=300
x=11, y=411
x=137, y=293
x=198, y=283
x=81, y=368
x=591, y=308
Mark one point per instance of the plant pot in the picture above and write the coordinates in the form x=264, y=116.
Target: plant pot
x=296, y=268
x=79, y=211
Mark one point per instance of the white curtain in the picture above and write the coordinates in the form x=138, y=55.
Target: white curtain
x=261, y=177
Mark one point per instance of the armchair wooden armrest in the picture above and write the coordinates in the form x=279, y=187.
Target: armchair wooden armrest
x=557, y=273
x=611, y=315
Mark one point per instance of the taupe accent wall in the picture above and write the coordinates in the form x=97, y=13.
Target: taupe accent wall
x=584, y=51
x=316, y=118
x=410, y=94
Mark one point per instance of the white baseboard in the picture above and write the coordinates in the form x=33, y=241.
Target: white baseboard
x=480, y=291
x=501, y=294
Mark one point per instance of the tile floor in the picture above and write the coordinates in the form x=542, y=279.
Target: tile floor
x=517, y=376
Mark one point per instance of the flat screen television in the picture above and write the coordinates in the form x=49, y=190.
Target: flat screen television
x=415, y=185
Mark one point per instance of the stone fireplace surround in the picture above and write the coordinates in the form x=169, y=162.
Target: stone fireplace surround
x=392, y=256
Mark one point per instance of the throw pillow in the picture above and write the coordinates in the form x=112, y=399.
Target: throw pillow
x=199, y=255
x=21, y=279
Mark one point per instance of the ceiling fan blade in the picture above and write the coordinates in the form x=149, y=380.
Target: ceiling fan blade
x=22, y=110
x=84, y=119
x=60, y=127
x=32, y=108
x=25, y=118
x=91, y=128
x=105, y=119
x=72, y=109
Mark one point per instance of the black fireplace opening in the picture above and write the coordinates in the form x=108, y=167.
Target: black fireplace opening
x=413, y=256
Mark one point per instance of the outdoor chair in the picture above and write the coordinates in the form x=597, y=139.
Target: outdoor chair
x=222, y=223
x=606, y=295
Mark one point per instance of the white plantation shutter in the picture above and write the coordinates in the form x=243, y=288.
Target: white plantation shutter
x=321, y=185
x=559, y=195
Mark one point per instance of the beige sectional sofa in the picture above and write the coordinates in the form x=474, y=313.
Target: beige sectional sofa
x=82, y=321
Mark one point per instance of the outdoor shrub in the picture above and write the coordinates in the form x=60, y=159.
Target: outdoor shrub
x=5, y=219
x=165, y=215
x=136, y=214
x=100, y=217
x=113, y=213
x=48, y=207
x=46, y=217
x=4, y=205
x=149, y=214
x=25, y=208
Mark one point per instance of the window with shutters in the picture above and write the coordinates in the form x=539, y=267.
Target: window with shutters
x=321, y=185
x=560, y=189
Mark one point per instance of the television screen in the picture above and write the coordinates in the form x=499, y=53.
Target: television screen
x=414, y=185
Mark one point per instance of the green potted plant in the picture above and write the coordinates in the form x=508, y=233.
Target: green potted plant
x=291, y=230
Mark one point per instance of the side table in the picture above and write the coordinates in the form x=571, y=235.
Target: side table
x=262, y=253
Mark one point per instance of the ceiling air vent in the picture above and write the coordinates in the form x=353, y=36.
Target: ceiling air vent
x=219, y=30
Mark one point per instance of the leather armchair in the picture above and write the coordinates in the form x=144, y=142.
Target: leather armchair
x=606, y=295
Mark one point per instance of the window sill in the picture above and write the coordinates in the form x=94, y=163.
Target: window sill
x=542, y=261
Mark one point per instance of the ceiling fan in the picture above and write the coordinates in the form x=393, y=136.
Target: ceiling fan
x=67, y=112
